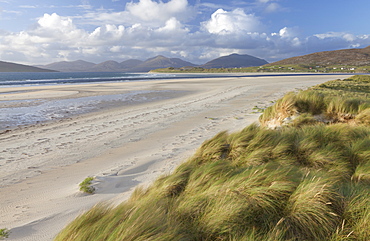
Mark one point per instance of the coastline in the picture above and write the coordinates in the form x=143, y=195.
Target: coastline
x=123, y=146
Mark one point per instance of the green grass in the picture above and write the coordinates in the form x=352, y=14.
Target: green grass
x=4, y=233
x=308, y=181
x=85, y=185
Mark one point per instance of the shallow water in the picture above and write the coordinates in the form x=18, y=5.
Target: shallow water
x=28, y=112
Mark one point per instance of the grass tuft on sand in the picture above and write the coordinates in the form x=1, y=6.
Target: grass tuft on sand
x=305, y=181
x=85, y=185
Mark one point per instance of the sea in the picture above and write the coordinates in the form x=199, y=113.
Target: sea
x=58, y=78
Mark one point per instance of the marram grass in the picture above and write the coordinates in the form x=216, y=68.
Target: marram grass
x=305, y=182
x=337, y=101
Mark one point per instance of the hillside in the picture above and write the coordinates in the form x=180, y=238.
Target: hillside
x=107, y=66
x=73, y=66
x=353, y=57
x=130, y=63
x=234, y=61
x=13, y=67
x=160, y=62
x=308, y=179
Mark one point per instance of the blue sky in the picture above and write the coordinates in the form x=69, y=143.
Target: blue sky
x=41, y=32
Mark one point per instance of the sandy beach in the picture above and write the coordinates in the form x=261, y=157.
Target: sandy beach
x=122, y=143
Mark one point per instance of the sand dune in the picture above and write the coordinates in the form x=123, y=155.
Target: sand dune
x=123, y=144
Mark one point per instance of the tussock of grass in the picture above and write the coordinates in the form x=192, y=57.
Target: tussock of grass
x=85, y=185
x=303, y=182
x=4, y=233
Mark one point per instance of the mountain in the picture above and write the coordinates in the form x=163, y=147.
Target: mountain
x=74, y=66
x=160, y=62
x=234, y=61
x=13, y=67
x=356, y=57
x=131, y=63
x=107, y=66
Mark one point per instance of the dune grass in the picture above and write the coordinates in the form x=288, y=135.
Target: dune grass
x=334, y=101
x=305, y=182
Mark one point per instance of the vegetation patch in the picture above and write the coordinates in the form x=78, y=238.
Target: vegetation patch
x=305, y=181
x=4, y=233
x=337, y=101
x=85, y=185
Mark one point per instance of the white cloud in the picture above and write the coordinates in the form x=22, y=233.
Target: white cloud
x=146, y=12
x=54, y=20
x=172, y=25
x=105, y=35
x=237, y=21
x=343, y=35
x=287, y=33
x=149, y=11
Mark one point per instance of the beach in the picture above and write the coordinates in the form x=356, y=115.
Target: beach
x=122, y=142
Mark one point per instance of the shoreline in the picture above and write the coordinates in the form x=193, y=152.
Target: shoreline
x=122, y=147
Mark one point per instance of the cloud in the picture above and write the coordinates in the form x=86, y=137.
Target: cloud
x=269, y=6
x=146, y=12
x=56, y=28
x=288, y=33
x=273, y=7
x=28, y=6
x=237, y=21
x=340, y=35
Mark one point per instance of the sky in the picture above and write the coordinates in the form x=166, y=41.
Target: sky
x=42, y=32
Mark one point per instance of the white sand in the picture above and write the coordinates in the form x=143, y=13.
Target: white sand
x=42, y=165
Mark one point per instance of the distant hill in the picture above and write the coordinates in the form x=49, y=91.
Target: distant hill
x=131, y=65
x=73, y=66
x=13, y=67
x=234, y=61
x=160, y=62
x=107, y=66
x=352, y=57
